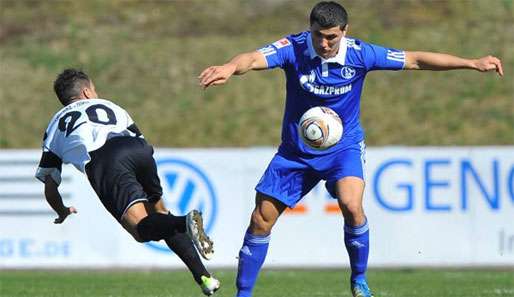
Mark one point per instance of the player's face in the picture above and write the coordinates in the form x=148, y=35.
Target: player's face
x=326, y=40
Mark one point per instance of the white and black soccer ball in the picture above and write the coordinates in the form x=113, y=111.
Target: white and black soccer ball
x=320, y=127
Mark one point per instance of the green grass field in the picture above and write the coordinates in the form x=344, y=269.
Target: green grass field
x=146, y=55
x=272, y=283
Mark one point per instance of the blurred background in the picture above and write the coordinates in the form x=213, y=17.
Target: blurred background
x=146, y=56
x=440, y=162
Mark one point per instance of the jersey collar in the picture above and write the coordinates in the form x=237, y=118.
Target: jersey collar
x=339, y=58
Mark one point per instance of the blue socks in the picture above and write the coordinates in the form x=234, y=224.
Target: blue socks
x=356, y=240
x=251, y=258
x=255, y=247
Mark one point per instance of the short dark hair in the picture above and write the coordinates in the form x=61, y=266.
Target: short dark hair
x=329, y=14
x=69, y=84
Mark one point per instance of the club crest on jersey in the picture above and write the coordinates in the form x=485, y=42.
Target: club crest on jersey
x=347, y=72
x=308, y=83
x=281, y=43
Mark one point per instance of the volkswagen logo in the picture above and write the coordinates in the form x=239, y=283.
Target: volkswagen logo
x=185, y=187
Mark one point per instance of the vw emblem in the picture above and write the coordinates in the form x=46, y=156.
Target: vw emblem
x=347, y=72
x=185, y=187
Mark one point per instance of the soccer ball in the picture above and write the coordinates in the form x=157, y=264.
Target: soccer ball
x=320, y=128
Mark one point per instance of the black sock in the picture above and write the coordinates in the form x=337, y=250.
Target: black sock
x=157, y=226
x=179, y=222
x=181, y=244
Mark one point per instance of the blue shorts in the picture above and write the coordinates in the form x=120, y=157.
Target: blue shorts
x=289, y=177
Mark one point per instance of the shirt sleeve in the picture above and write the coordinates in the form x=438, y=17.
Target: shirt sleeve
x=132, y=127
x=279, y=53
x=50, y=164
x=382, y=58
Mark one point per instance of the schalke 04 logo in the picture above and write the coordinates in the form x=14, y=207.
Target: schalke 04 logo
x=185, y=187
x=347, y=72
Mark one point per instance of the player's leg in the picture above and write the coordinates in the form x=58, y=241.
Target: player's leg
x=187, y=229
x=124, y=176
x=145, y=170
x=112, y=172
x=147, y=226
x=349, y=190
x=151, y=221
x=132, y=217
x=182, y=245
x=286, y=180
x=356, y=231
x=191, y=231
x=256, y=242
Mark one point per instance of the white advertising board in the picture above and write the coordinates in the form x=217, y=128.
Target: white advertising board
x=427, y=206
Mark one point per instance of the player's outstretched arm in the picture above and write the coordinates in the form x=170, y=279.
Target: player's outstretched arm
x=437, y=61
x=54, y=199
x=240, y=64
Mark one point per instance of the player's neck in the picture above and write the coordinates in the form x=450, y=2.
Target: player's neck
x=78, y=99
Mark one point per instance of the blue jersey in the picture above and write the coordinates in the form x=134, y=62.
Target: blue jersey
x=336, y=83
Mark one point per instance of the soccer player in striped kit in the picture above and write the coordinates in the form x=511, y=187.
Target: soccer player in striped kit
x=323, y=67
x=101, y=140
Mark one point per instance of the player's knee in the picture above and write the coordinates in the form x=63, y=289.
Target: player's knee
x=259, y=225
x=352, y=209
x=151, y=228
x=138, y=238
x=144, y=232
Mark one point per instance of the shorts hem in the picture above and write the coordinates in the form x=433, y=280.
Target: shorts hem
x=130, y=204
x=334, y=180
x=154, y=198
x=343, y=176
x=276, y=197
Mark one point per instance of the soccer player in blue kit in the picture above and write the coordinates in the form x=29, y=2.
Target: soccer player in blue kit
x=323, y=67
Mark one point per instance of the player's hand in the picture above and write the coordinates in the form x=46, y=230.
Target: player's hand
x=489, y=63
x=216, y=75
x=64, y=214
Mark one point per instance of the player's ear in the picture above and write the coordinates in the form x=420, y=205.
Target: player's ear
x=90, y=91
x=87, y=93
x=345, y=29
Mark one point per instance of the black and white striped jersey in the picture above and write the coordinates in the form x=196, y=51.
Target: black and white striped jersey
x=79, y=128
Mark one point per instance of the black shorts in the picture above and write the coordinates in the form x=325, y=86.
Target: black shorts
x=123, y=172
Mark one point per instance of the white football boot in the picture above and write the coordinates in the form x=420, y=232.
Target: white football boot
x=209, y=285
x=194, y=228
